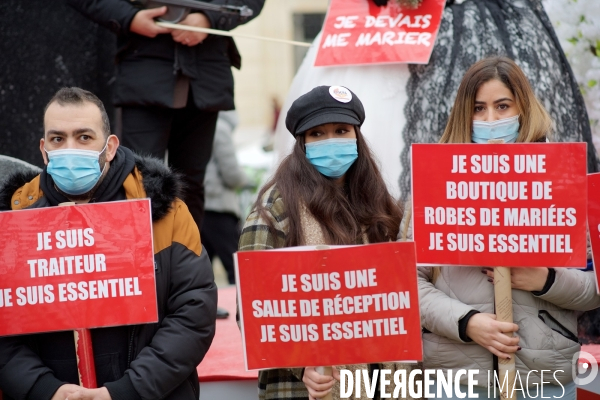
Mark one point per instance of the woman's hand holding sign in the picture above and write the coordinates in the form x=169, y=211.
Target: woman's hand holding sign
x=484, y=330
x=528, y=279
x=319, y=385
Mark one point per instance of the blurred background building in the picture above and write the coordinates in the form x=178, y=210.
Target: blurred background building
x=268, y=67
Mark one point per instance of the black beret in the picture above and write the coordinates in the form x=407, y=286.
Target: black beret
x=324, y=105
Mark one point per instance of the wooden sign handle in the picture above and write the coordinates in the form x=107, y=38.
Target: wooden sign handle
x=324, y=370
x=504, y=313
x=329, y=372
x=85, y=358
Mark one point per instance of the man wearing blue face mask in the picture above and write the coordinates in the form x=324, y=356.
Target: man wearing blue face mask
x=84, y=163
x=75, y=148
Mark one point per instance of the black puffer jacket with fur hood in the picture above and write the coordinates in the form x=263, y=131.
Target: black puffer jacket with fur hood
x=161, y=358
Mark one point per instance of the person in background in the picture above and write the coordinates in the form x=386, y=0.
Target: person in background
x=221, y=226
x=171, y=84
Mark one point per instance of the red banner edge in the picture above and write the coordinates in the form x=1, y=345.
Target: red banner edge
x=366, y=362
x=587, y=187
x=368, y=64
x=238, y=290
x=595, y=271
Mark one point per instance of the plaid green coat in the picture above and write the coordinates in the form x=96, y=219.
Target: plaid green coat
x=286, y=383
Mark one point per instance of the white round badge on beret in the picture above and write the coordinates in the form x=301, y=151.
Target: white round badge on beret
x=340, y=93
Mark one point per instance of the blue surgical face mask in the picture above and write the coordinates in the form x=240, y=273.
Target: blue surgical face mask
x=75, y=171
x=506, y=129
x=332, y=157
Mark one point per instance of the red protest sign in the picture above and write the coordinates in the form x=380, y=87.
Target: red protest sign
x=512, y=205
x=82, y=266
x=594, y=222
x=344, y=305
x=359, y=32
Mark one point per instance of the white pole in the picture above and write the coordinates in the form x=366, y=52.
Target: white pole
x=230, y=34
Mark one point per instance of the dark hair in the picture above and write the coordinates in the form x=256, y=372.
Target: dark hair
x=362, y=205
x=534, y=121
x=77, y=96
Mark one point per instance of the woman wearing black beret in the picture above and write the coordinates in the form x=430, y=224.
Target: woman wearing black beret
x=327, y=191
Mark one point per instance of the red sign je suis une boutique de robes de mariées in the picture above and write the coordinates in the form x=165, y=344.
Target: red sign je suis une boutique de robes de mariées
x=513, y=205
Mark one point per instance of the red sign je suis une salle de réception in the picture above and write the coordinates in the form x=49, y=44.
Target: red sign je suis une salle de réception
x=335, y=306
x=80, y=266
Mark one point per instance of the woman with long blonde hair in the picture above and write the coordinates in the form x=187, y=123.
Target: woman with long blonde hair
x=495, y=102
x=501, y=75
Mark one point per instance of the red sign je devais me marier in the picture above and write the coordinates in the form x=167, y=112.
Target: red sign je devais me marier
x=358, y=32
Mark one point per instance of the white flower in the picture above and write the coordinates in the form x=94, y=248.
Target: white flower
x=577, y=26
